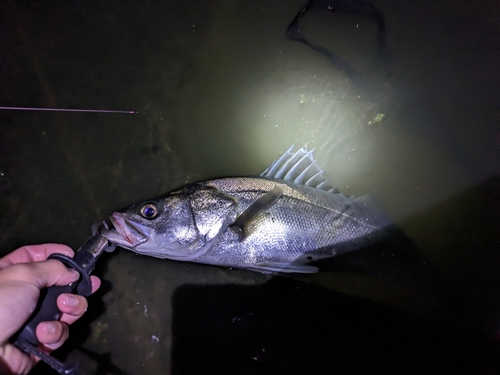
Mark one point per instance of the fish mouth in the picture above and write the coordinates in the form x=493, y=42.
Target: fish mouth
x=125, y=233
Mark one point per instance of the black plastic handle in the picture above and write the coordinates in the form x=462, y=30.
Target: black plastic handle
x=61, y=368
x=48, y=311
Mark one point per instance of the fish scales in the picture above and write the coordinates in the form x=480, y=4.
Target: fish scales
x=306, y=224
x=257, y=223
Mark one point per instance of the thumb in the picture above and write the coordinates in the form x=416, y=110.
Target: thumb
x=40, y=274
x=20, y=286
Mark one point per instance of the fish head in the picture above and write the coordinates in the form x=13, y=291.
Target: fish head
x=180, y=226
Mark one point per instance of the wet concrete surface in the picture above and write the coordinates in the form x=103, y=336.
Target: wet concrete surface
x=220, y=91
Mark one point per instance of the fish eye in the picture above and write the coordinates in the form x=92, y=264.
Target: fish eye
x=149, y=211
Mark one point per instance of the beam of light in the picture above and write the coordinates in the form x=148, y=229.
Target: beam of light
x=319, y=109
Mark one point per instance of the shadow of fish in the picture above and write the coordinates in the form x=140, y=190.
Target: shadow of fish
x=373, y=90
x=280, y=221
x=362, y=7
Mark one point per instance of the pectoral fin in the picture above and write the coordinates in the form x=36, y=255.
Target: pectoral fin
x=255, y=209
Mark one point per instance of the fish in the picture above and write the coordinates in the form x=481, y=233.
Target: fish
x=281, y=221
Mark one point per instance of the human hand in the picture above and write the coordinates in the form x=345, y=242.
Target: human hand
x=22, y=274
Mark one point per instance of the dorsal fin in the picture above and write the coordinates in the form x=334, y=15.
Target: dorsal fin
x=300, y=168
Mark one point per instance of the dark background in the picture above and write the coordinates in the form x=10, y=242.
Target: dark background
x=222, y=92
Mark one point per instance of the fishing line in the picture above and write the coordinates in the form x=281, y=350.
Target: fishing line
x=78, y=110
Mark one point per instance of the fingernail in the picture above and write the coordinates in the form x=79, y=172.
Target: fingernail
x=71, y=300
x=49, y=327
x=75, y=274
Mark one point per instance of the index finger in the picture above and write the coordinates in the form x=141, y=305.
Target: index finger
x=34, y=253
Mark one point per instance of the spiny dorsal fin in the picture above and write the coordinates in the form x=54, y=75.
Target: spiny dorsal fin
x=300, y=168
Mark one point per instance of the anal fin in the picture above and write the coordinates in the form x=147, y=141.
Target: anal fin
x=276, y=267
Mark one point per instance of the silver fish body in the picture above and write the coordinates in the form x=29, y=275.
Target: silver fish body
x=305, y=221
